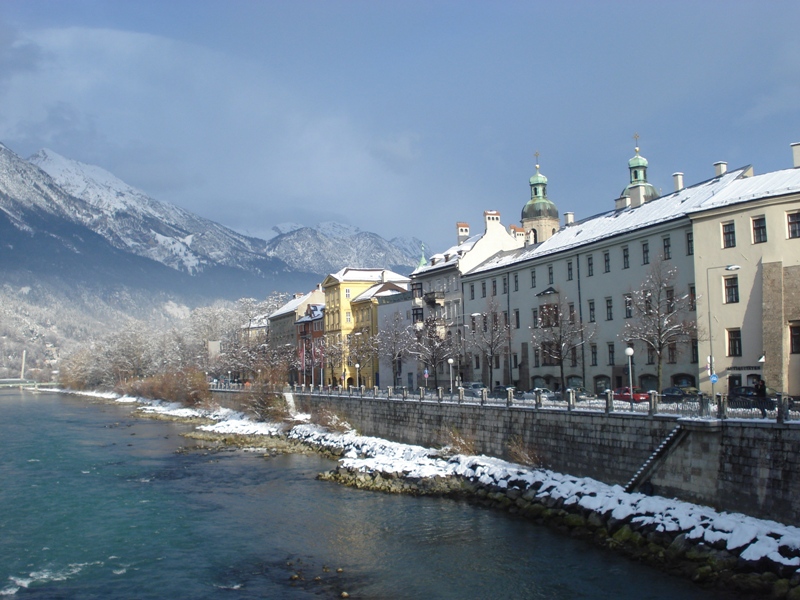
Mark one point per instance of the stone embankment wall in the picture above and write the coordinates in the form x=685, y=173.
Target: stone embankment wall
x=741, y=466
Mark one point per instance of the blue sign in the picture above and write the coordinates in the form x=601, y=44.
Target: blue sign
x=426, y=373
x=714, y=378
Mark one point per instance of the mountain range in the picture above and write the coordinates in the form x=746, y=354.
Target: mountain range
x=79, y=242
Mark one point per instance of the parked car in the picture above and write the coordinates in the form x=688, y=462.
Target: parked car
x=624, y=393
x=472, y=389
x=744, y=396
x=679, y=394
x=501, y=391
x=546, y=394
x=581, y=393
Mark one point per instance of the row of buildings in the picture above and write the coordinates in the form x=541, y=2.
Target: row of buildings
x=699, y=287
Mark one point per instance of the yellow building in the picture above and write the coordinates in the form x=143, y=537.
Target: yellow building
x=350, y=310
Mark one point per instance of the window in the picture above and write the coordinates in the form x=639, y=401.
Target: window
x=759, y=230
x=472, y=291
x=591, y=311
x=651, y=356
x=416, y=315
x=672, y=353
x=793, y=220
x=794, y=339
x=589, y=265
x=645, y=253
x=571, y=309
x=505, y=285
x=514, y=360
x=573, y=357
x=346, y=292
x=535, y=318
x=516, y=318
x=695, y=352
x=536, y=358
x=667, y=248
x=516, y=282
x=606, y=262
x=477, y=361
x=626, y=258
x=648, y=302
x=549, y=354
x=593, y=354
x=689, y=243
x=731, y=289
x=628, y=306
x=549, y=315
x=734, y=342
x=550, y=274
x=533, y=278
x=494, y=287
x=692, y=297
x=347, y=317
x=505, y=318
x=728, y=235
x=609, y=309
x=610, y=353
x=670, y=300
x=569, y=271
x=416, y=289
x=483, y=289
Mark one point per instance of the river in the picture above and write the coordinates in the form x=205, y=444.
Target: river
x=97, y=503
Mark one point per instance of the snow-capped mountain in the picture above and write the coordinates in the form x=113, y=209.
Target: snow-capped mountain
x=132, y=221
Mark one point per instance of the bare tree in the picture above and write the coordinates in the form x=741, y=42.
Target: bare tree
x=558, y=334
x=490, y=336
x=361, y=351
x=395, y=342
x=660, y=318
x=334, y=355
x=433, y=346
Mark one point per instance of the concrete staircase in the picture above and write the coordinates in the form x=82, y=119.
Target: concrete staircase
x=644, y=472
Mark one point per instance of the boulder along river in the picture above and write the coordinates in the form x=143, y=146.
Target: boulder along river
x=99, y=503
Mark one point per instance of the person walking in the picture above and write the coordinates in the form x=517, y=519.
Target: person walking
x=761, y=397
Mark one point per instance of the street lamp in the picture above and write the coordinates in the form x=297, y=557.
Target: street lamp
x=629, y=354
x=711, y=370
x=450, y=362
x=358, y=377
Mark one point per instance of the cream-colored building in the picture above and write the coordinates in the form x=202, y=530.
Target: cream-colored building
x=590, y=267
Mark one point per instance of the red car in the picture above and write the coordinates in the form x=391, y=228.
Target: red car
x=624, y=393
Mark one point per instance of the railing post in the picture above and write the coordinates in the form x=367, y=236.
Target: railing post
x=390, y=391
x=460, y=395
x=652, y=402
x=609, y=401
x=538, y=401
x=722, y=412
x=509, y=397
x=484, y=393
x=421, y=394
x=780, y=405
x=405, y=393
x=570, y=399
x=439, y=394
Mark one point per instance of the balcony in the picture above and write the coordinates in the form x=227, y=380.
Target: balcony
x=433, y=298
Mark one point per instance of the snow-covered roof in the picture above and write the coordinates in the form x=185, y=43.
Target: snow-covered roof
x=314, y=312
x=356, y=274
x=449, y=257
x=291, y=306
x=381, y=289
x=730, y=188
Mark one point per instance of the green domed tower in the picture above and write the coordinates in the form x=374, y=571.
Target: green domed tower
x=638, y=190
x=539, y=215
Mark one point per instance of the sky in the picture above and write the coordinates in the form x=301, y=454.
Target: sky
x=400, y=118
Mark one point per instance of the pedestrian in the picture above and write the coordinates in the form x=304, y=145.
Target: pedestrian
x=761, y=397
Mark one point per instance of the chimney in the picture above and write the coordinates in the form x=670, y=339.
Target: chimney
x=491, y=217
x=637, y=196
x=622, y=202
x=463, y=232
x=796, y=154
x=678, y=179
x=569, y=219
x=720, y=168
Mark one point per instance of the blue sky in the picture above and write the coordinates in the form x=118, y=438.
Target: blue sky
x=398, y=117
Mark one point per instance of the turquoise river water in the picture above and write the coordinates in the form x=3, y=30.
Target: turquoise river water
x=97, y=503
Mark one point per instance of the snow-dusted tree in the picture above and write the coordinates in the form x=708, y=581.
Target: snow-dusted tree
x=659, y=317
x=489, y=336
x=334, y=356
x=433, y=346
x=395, y=342
x=361, y=351
x=558, y=333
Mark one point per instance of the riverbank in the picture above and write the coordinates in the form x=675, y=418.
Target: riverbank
x=727, y=551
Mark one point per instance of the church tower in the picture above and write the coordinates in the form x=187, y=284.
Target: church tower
x=539, y=215
x=638, y=190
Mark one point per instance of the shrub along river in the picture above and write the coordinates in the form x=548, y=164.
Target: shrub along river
x=97, y=503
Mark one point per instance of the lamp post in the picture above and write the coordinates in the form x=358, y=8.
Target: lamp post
x=711, y=369
x=629, y=354
x=358, y=377
x=450, y=363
